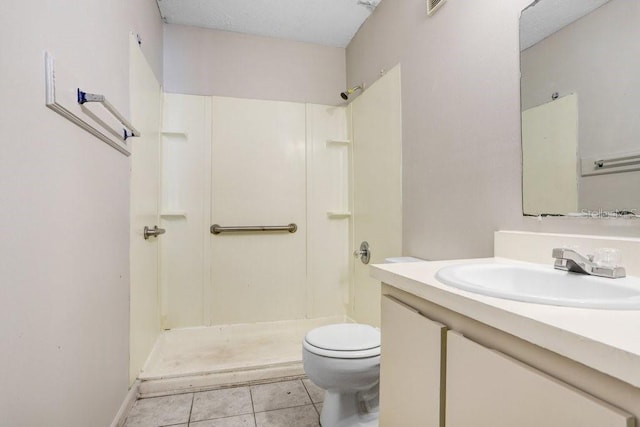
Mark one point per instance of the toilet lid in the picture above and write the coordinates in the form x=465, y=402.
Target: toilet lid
x=344, y=337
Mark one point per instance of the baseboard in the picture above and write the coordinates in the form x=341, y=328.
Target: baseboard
x=216, y=380
x=127, y=404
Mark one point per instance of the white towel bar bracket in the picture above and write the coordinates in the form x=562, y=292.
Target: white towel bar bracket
x=128, y=131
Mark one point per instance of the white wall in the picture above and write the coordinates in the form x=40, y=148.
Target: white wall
x=201, y=61
x=461, y=123
x=64, y=245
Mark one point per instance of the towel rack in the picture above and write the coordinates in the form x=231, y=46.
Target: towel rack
x=626, y=159
x=614, y=163
x=84, y=97
x=67, y=106
x=217, y=229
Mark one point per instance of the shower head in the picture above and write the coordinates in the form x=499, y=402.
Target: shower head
x=346, y=93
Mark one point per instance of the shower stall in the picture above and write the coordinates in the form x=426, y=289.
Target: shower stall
x=281, y=181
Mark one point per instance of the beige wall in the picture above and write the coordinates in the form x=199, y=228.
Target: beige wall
x=461, y=123
x=200, y=61
x=64, y=250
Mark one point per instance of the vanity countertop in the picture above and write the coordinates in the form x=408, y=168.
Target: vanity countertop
x=605, y=340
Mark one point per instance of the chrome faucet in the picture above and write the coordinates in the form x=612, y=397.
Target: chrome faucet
x=570, y=260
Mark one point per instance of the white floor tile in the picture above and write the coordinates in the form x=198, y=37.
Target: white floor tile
x=300, y=416
x=160, y=411
x=280, y=404
x=221, y=403
x=284, y=394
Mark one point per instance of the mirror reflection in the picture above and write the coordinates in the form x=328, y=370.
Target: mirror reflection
x=580, y=94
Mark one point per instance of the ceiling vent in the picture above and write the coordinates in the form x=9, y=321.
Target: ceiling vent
x=433, y=5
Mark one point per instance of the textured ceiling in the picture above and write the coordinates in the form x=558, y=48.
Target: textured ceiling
x=545, y=17
x=325, y=22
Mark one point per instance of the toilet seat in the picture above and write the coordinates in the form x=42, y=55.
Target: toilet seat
x=344, y=341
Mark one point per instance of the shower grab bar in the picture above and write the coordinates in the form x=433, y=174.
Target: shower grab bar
x=84, y=97
x=217, y=229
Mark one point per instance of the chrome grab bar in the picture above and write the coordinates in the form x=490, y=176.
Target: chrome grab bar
x=152, y=232
x=217, y=229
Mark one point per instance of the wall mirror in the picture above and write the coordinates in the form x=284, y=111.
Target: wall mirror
x=580, y=103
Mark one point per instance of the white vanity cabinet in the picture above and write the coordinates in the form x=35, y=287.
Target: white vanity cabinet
x=440, y=368
x=411, y=367
x=487, y=388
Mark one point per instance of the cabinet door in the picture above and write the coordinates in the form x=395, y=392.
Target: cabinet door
x=411, y=367
x=488, y=389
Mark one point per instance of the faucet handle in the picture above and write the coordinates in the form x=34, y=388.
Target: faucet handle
x=607, y=257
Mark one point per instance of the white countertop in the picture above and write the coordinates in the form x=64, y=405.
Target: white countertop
x=605, y=340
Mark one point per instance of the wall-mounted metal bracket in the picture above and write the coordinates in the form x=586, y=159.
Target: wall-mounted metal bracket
x=152, y=232
x=364, y=252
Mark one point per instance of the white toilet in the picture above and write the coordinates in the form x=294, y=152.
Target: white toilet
x=344, y=359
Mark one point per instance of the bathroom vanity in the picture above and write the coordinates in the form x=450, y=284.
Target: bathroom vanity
x=459, y=359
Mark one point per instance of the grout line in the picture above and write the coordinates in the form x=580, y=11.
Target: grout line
x=221, y=418
x=308, y=394
x=193, y=398
x=288, y=407
x=311, y=399
x=253, y=408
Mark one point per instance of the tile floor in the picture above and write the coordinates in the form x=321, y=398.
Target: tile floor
x=292, y=403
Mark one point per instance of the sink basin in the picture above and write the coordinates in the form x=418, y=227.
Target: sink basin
x=543, y=285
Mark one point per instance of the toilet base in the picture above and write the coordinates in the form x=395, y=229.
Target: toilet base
x=349, y=410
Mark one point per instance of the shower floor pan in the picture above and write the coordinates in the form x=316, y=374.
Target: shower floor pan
x=192, y=359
